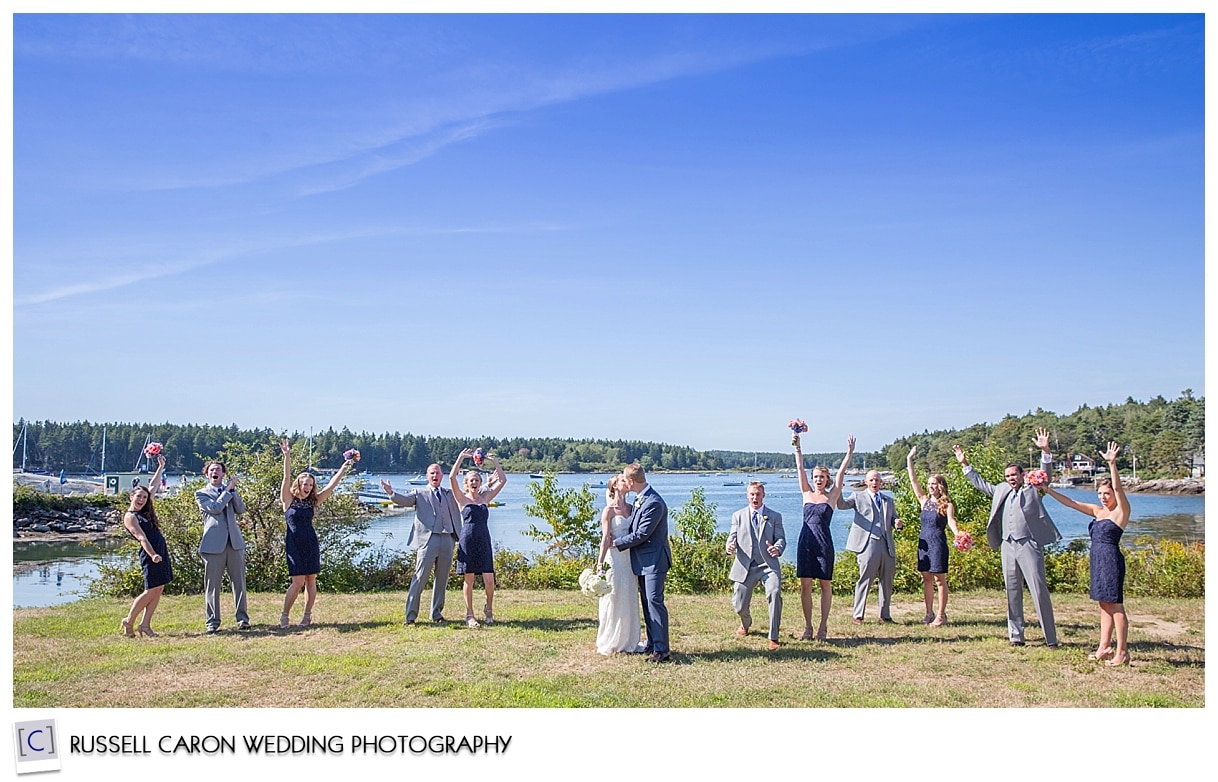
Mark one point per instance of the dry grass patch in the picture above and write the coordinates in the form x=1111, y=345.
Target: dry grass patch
x=541, y=653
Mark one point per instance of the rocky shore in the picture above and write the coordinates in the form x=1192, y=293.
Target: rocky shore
x=79, y=524
x=1165, y=486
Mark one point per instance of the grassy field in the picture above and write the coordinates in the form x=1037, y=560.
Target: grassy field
x=358, y=653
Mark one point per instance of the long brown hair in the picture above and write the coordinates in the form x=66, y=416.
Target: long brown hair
x=298, y=492
x=944, y=499
x=148, y=512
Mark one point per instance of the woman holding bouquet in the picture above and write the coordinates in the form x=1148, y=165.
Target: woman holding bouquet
x=300, y=500
x=619, y=610
x=815, y=554
x=938, y=513
x=1107, y=561
x=474, y=553
x=140, y=520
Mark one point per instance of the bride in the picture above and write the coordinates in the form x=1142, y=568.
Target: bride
x=619, y=610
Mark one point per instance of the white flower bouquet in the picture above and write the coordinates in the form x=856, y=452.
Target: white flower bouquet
x=593, y=585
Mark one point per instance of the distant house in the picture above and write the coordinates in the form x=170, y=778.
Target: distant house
x=1082, y=463
x=1199, y=465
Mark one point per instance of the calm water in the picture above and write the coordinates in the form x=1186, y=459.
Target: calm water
x=50, y=575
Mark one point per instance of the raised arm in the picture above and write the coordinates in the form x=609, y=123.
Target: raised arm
x=1046, y=457
x=1118, y=489
x=459, y=492
x=325, y=493
x=154, y=483
x=285, y=488
x=1081, y=507
x=804, y=486
x=836, y=492
x=494, y=484
x=970, y=475
x=913, y=476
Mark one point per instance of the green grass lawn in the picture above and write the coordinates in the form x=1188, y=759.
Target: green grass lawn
x=541, y=653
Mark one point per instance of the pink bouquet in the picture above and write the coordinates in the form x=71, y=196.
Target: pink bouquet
x=1036, y=478
x=351, y=455
x=797, y=427
x=964, y=541
x=478, y=457
x=152, y=449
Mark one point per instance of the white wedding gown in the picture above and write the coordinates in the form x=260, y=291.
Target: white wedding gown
x=619, y=615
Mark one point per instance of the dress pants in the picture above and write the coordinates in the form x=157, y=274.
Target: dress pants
x=437, y=557
x=1024, y=561
x=875, y=563
x=742, y=596
x=655, y=613
x=214, y=565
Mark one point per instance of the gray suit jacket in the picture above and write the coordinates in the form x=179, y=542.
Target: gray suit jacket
x=429, y=516
x=1043, y=530
x=741, y=534
x=865, y=524
x=220, y=509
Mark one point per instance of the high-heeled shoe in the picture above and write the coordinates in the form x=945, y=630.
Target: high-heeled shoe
x=284, y=624
x=807, y=635
x=470, y=621
x=126, y=625
x=939, y=621
x=306, y=620
x=1104, y=655
x=930, y=617
x=486, y=610
x=1118, y=661
x=146, y=630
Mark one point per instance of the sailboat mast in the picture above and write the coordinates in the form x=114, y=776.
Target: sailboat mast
x=103, y=464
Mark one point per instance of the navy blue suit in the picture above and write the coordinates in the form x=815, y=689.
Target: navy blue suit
x=650, y=559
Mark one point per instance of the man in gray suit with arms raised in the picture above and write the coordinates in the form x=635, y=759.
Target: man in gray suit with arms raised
x=437, y=522
x=1020, y=528
x=222, y=546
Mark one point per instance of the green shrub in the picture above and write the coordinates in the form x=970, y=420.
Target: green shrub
x=575, y=530
x=1165, y=568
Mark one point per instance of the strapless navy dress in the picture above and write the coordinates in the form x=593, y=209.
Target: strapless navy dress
x=932, y=540
x=474, y=552
x=300, y=542
x=1107, y=562
x=814, y=555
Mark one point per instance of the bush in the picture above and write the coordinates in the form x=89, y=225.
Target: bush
x=1165, y=568
x=27, y=499
x=575, y=531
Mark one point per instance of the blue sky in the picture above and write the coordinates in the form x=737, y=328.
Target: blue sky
x=678, y=228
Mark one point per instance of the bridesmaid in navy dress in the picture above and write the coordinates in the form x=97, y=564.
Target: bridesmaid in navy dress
x=815, y=553
x=300, y=499
x=1107, y=561
x=141, y=521
x=938, y=513
x=474, y=553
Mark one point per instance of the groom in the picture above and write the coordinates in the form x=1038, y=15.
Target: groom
x=650, y=558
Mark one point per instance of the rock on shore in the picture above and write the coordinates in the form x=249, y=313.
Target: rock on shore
x=1167, y=486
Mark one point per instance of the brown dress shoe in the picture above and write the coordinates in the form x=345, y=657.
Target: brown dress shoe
x=773, y=645
x=740, y=631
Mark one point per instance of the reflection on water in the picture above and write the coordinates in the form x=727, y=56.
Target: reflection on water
x=1185, y=527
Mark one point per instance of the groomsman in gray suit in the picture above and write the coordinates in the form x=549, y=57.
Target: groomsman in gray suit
x=757, y=540
x=875, y=519
x=1020, y=528
x=222, y=546
x=437, y=521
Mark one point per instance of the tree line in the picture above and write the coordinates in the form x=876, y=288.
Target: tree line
x=1163, y=435
x=76, y=448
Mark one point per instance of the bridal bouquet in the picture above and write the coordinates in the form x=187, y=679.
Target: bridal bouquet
x=593, y=585
x=797, y=427
x=1036, y=478
x=964, y=541
x=351, y=455
x=152, y=449
x=478, y=457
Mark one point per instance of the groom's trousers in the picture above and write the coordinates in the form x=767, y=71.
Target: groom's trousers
x=655, y=613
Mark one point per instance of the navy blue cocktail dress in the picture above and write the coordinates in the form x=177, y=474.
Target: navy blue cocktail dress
x=300, y=541
x=155, y=573
x=932, y=540
x=474, y=552
x=814, y=555
x=1107, y=562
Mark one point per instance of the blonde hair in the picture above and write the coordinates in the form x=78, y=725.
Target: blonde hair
x=758, y=484
x=298, y=492
x=825, y=470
